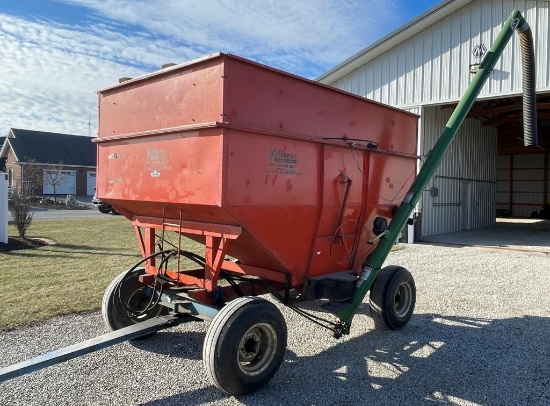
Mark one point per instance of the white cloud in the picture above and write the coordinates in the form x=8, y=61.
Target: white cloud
x=48, y=76
x=49, y=70
x=305, y=37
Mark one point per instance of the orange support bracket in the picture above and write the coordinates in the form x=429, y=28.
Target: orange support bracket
x=216, y=248
x=217, y=238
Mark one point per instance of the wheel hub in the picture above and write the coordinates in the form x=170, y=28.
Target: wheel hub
x=403, y=299
x=250, y=346
x=257, y=349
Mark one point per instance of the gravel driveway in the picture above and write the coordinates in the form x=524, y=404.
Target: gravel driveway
x=479, y=336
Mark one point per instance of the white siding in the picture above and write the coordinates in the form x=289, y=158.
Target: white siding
x=433, y=65
x=466, y=178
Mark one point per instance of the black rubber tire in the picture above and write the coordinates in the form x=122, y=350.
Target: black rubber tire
x=133, y=293
x=245, y=345
x=106, y=210
x=392, y=298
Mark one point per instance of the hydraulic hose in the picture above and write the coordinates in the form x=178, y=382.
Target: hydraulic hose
x=530, y=137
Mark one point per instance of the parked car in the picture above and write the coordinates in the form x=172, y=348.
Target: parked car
x=102, y=206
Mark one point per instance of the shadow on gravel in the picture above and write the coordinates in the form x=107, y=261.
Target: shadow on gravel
x=69, y=250
x=180, y=345
x=434, y=360
x=90, y=249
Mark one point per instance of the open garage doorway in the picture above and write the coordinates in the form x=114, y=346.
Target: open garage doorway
x=522, y=174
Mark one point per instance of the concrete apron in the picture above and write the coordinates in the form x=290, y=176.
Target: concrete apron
x=531, y=236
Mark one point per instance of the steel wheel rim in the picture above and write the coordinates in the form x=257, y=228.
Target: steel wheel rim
x=257, y=349
x=402, y=300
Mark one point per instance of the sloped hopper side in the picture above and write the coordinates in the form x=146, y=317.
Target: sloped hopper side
x=301, y=167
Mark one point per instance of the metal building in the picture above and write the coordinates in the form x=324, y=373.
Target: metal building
x=425, y=67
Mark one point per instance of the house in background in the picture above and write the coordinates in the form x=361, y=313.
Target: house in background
x=76, y=153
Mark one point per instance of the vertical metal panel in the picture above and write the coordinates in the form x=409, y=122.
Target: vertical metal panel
x=503, y=183
x=433, y=65
x=469, y=166
x=543, y=44
x=520, y=183
x=527, y=184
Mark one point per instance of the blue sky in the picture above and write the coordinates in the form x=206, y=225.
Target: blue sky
x=54, y=54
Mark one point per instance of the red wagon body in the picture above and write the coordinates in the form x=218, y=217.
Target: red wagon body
x=284, y=174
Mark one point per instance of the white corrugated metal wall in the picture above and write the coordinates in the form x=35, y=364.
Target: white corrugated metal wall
x=433, y=66
x=465, y=180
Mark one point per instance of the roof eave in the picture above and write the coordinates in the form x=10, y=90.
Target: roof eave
x=396, y=37
x=5, y=148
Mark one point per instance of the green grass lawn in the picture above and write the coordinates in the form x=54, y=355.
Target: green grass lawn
x=67, y=277
x=71, y=275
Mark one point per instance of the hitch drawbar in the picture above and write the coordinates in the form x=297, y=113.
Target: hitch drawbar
x=85, y=347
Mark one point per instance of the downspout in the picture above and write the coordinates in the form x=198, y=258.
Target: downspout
x=530, y=137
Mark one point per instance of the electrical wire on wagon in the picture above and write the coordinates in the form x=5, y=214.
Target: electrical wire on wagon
x=156, y=295
x=167, y=254
x=396, y=197
x=187, y=254
x=130, y=273
x=327, y=324
x=418, y=166
x=355, y=243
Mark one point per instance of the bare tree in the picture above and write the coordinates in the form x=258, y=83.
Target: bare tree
x=26, y=185
x=54, y=176
x=31, y=177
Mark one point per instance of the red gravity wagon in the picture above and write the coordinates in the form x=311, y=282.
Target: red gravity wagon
x=285, y=182
x=293, y=188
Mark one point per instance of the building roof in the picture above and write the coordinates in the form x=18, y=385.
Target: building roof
x=396, y=37
x=406, y=31
x=45, y=147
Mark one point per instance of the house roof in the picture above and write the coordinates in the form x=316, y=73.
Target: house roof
x=403, y=33
x=45, y=147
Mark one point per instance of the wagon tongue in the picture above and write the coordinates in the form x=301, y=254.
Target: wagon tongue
x=106, y=340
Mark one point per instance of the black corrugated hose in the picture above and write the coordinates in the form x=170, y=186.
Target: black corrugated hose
x=529, y=87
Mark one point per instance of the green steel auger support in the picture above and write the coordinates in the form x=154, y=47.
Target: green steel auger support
x=374, y=261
